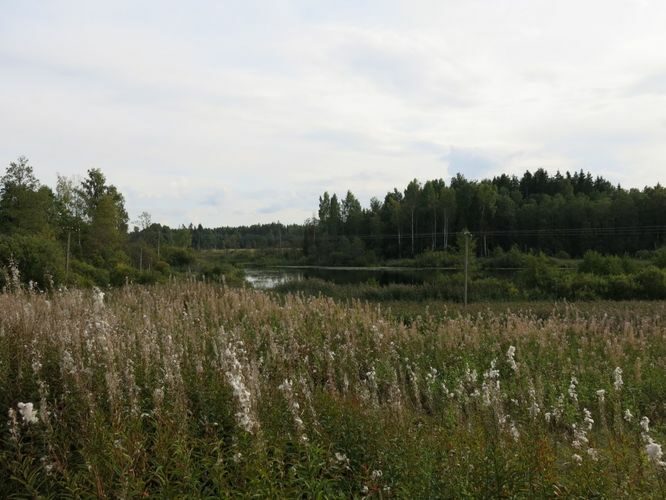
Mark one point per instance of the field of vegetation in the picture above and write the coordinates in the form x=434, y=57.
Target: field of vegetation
x=197, y=390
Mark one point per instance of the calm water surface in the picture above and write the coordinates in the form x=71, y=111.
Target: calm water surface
x=267, y=278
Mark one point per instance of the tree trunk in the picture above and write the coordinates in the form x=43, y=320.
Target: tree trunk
x=434, y=232
x=412, y=232
x=399, y=243
x=446, y=230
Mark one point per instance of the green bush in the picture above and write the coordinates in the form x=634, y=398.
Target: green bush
x=510, y=259
x=595, y=263
x=39, y=260
x=622, y=287
x=659, y=258
x=179, y=257
x=652, y=283
x=87, y=275
x=122, y=273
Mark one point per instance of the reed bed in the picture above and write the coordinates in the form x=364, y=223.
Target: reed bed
x=196, y=390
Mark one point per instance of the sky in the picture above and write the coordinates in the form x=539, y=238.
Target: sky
x=229, y=113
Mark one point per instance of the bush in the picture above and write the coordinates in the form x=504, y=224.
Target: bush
x=501, y=259
x=122, y=273
x=179, y=257
x=87, y=275
x=595, y=263
x=652, y=283
x=622, y=287
x=659, y=258
x=39, y=260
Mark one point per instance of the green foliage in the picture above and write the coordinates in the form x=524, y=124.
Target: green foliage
x=179, y=257
x=84, y=274
x=38, y=260
x=193, y=390
x=652, y=283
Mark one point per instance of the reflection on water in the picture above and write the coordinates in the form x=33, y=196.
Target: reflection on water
x=265, y=279
x=271, y=277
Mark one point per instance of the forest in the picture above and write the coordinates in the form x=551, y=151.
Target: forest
x=563, y=215
x=78, y=234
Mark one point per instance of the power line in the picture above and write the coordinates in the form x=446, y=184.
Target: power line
x=603, y=231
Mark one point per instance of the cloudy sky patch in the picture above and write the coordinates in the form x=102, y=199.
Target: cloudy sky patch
x=226, y=113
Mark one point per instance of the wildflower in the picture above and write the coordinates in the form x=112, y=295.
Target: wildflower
x=27, y=412
x=510, y=356
x=588, y=419
x=577, y=458
x=98, y=298
x=534, y=405
x=341, y=457
x=601, y=395
x=645, y=424
x=572, y=389
x=594, y=454
x=617, y=375
x=654, y=453
x=627, y=415
x=515, y=434
x=376, y=474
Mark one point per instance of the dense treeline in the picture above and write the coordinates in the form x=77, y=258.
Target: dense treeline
x=561, y=214
x=78, y=233
x=259, y=236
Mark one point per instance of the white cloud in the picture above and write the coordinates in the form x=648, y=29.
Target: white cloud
x=243, y=112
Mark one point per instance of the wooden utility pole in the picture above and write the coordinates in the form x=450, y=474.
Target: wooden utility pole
x=466, y=262
x=69, y=240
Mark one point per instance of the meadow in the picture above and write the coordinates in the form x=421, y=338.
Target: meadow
x=199, y=390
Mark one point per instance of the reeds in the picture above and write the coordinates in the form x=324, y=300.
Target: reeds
x=198, y=390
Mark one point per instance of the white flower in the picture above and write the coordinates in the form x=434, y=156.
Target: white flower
x=515, y=434
x=376, y=474
x=27, y=412
x=594, y=454
x=341, y=457
x=588, y=419
x=617, y=375
x=572, y=389
x=577, y=458
x=510, y=356
x=601, y=395
x=654, y=453
x=645, y=424
x=627, y=415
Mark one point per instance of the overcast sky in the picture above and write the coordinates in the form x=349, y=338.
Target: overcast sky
x=227, y=113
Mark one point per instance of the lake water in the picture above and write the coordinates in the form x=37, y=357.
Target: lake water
x=266, y=278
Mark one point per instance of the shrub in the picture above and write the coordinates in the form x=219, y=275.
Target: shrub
x=39, y=260
x=652, y=283
x=88, y=274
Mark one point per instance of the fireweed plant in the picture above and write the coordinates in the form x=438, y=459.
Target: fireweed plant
x=196, y=390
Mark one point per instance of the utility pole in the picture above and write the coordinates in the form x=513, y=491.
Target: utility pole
x=466, y=262
x=69, y=240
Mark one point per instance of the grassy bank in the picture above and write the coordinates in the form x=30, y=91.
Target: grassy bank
x=192, y=390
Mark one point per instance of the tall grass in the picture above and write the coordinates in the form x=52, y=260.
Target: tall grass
x=193, y=390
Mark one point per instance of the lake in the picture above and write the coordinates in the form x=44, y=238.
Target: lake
x=267, y=278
